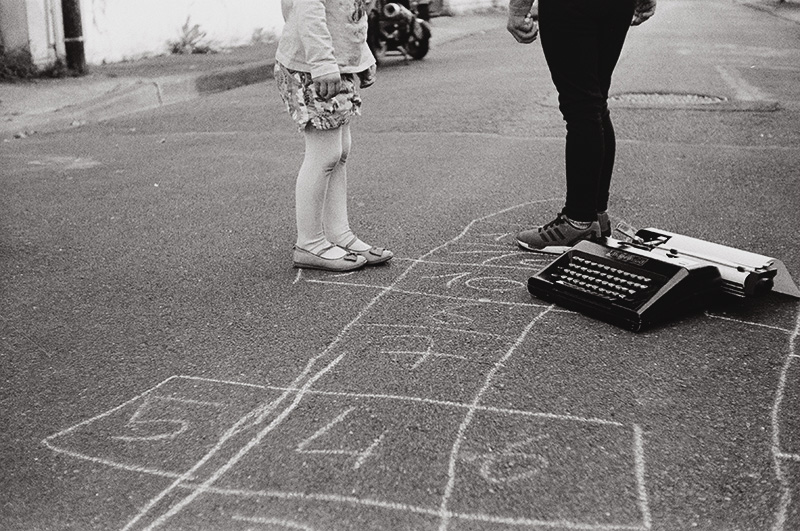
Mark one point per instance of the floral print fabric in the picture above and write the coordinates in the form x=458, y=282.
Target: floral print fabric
x=305, y=106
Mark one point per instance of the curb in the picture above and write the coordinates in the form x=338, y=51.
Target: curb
x=135, y=94
x=131, y=94
x=231, y=78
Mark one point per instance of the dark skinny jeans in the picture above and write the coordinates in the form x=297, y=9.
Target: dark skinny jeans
x=582, y=41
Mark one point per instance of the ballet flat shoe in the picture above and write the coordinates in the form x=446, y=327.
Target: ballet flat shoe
x=308, y=260
x=373, y=255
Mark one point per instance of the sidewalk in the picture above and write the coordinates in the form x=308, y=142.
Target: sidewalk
x=117, y=89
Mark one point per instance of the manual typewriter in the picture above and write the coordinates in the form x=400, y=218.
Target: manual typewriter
x=653, y=277
x=626, y=285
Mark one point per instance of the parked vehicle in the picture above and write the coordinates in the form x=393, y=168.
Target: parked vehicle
x=399, y=26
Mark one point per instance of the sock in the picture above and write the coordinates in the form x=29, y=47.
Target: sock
x=580, y=225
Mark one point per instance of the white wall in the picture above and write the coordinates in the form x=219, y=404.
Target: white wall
x=117, y=30
x=460, y=7
x=32, y=25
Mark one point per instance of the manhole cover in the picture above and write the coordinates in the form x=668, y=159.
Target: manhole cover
x=654, y=98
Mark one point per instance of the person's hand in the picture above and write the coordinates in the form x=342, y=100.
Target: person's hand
x=328, y=86
x=523, y=28
x=368, y=76
x=644, y=10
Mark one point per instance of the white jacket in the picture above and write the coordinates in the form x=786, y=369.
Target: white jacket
x=324, y=37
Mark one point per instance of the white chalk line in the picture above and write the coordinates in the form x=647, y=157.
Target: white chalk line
x=236, y=428
x=26, y=337
x=436, y=295
x=451, y=473
x=438, y=329
x=120, y=466
x=783, y=481
x=749, y=323
x=641, y=486
x=267, y=409
x=407, y=508
x=288, y=524
x=461, y=405
x=338, y=394
x=125, y=466
x=252, y=443
x=474, y=264
x=362, y=455
x=47, y=441
x=323, y=430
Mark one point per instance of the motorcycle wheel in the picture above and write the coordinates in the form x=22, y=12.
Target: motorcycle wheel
x=418, y=48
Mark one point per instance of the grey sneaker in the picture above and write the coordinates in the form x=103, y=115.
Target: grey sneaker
x=556, y=234
x=605, y=224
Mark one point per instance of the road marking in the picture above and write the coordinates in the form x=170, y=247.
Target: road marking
x=741, y=88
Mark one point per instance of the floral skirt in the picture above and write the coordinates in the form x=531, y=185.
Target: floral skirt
x=305, y=106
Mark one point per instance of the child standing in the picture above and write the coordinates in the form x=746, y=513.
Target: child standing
x=322, y=54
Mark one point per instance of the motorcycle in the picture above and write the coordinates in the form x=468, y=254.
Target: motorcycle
x=399, y=26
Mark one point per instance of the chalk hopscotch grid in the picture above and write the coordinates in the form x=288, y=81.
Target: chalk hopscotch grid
x=187, y=480
x=206, y=488
x=299, y=391
x=177, y=507
x=258, y=415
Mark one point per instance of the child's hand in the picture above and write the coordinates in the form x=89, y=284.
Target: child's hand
x=367, y=77
x=328, y=86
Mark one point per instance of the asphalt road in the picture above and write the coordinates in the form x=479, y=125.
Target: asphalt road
x=164, y=366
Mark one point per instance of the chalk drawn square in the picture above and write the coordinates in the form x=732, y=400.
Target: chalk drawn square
x=501, y=255
x=368, y=452
x=425, y=362
x=470, y=282
x=415, y=309
x=165, y=430
x=536, y=470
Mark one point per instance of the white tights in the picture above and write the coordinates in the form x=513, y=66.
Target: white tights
x=321, y=193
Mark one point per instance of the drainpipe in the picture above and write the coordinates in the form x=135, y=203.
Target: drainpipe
x=73, y=36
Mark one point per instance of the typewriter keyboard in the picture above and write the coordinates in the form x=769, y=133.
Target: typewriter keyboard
x=602, y=280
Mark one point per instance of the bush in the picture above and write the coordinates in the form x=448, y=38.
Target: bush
x=17, y=65
x=190, y=41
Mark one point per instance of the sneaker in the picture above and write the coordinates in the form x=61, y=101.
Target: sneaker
x=559, y=233
x=605, y=224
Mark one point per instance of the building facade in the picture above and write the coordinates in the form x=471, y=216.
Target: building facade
x=121, y=30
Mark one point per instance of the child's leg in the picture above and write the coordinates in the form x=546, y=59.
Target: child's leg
x=323, y=155
x=336, y=220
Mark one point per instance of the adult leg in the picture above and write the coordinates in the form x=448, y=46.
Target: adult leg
x=615, y=30
x=575, y=42
x=323, y=154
